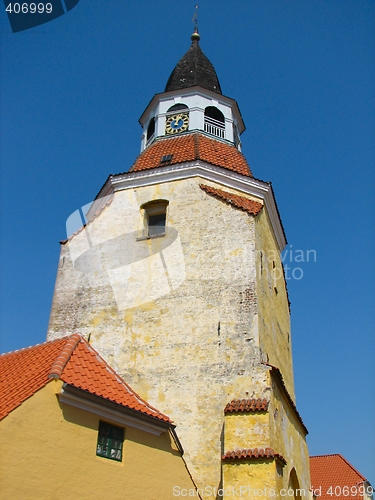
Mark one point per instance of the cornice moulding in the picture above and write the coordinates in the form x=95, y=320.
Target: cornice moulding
x=83, y=402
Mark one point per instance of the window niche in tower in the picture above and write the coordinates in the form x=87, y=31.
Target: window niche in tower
x=214, y=122
x=177, y=119
x=154, y=215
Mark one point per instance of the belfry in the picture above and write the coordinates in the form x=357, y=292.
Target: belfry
x=174, y=275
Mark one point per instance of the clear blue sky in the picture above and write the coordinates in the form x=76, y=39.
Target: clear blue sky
x=302, y=72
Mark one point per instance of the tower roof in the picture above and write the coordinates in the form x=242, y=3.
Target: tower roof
x=190, y=147
x=194, y=69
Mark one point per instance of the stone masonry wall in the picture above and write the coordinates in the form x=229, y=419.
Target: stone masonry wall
x=176, y=316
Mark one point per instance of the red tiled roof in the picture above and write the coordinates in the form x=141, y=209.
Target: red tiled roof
x=252, y=453
x=24, y=372
x=240, y=405
x=331, y=473
x=191, y=147
x=250, y=206
x=75, y=362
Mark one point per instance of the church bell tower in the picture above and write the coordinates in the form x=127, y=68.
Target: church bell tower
x=174, y=272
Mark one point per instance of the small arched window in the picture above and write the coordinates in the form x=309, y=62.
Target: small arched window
x=151, y=129
x=177, y=107
x=155, y=218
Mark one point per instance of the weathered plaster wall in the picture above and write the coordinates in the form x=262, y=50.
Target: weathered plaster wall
x=48, y=451
x=278, y=429
x=184, y=318
x=246, y=430
x=193, y=349
x=255, y=479
x=288, y=438
x=273, y=308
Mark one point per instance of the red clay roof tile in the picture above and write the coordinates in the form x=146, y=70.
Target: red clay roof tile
x=75, y=362
x=250, y=206
x=335, y=477
x=191, y=147
x=253, y=454
x=246, y=405
x=24, y=372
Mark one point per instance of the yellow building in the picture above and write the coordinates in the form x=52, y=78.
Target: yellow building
x=176, y=274
x=72, y=428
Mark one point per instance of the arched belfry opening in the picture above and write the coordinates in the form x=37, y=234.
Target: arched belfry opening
x=214, y=122
x=177, y=107
x=214, y=113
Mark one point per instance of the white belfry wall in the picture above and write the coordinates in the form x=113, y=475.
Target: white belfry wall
x=196, y=103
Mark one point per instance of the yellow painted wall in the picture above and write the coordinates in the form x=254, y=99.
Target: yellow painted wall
x=48, y=451
x=255, y=479
x=246, y=430
x=258, y=478
x=273, y=309
x=278, y=429
x=287, y=438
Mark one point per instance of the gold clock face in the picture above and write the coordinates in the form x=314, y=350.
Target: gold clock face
x=177, y=123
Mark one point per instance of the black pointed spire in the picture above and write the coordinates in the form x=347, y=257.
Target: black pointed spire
x=194, y=69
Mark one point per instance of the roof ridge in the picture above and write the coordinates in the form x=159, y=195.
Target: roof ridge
x=64, y=356
x=326, y=455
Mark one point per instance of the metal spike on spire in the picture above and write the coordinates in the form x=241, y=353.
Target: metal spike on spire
x=195, y=18
x=195, y=35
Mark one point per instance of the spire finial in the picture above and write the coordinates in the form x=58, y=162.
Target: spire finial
x=195, y=36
